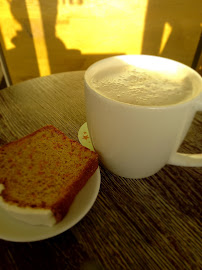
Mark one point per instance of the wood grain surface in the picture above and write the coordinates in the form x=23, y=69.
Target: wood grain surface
x=152, y=223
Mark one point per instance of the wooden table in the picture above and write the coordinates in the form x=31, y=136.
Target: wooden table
x=152, y=223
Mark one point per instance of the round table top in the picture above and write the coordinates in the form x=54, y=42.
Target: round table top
x=152, y=223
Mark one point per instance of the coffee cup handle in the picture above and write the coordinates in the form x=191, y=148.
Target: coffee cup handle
x=187, y=160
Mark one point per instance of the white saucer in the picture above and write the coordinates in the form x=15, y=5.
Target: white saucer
x=14, y=230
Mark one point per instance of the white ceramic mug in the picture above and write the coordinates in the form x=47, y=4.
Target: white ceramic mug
x=137, y=141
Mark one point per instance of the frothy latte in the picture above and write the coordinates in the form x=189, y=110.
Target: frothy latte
x=139, y=86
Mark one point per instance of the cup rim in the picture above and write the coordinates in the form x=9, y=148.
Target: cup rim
x=182, y=103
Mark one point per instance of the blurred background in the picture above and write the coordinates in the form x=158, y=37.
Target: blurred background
x=40, y=37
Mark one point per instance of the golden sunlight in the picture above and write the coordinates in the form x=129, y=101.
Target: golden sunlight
x=39, y=38
x=35, y=18
x=165, y=36
x=9, y=26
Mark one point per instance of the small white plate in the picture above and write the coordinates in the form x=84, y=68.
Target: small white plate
x=12, y=229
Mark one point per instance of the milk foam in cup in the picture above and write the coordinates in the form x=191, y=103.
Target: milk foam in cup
x=139, y=109
x=141, y=86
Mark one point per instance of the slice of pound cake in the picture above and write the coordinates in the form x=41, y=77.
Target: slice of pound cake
x=41, y=174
